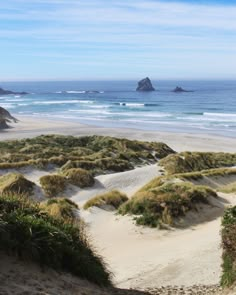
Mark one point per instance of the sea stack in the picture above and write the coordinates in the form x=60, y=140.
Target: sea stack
x=5, y=117
x=145, y=85
x=180, y=89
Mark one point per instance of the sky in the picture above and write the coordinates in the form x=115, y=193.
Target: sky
x=106, y=39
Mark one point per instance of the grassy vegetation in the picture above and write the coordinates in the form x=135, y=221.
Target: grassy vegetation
x=60, y=208
x=15, y=183
x=34, y=235
x=52, y=185
x=113, y=198
x=158, y=203
x=79, y=177
x=228, y=234
x=229, y=188
x=196, y=161
x=95, y=153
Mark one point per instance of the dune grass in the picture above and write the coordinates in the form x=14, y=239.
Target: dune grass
x=159, y=204
x=113, y=198
x=52, y=184
x=197, y=161
x=60, y=208
x=99, y=154
x=228, y=234
x=229, y=188
x=34, y=235
x=79, y=177
x=15, y=183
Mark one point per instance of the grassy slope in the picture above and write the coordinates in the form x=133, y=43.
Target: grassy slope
x=159, y=203
x=34, y=235
x=197, y=161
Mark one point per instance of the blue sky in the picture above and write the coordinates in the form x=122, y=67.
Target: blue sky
x=102, y=39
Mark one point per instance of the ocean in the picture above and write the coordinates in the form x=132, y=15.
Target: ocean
x=210, y=108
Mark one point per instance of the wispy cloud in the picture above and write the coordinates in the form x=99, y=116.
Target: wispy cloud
x=118, y=32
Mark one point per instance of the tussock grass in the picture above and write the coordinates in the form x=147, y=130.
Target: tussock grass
x=60, y=208
x=34, y=235
x=52, y=185
x=79, y=177
x=196, y=161
x=95, y=153
x=113, y=198
x=15, y=183
x=228, y=234
x=158, y=204
x=229, y=188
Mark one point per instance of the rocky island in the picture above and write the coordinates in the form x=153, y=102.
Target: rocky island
x=6, y=92
x=5, y=117
x=180, y=89
x=145, y=85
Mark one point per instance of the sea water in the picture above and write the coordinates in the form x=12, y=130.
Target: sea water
x=210, y=108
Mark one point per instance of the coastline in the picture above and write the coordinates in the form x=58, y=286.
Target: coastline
x=140, y=257
x=30, y=127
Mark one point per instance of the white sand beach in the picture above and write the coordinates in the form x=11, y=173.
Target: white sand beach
x=142, y=257
x=30, y=127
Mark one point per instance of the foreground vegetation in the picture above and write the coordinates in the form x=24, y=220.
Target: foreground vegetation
x=99, y=154
x=164, y=203
x=197, y=161
x=113, y=198
x=228, y=234
x=31, y=233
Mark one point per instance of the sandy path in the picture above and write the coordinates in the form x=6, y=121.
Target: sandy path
x=141, y=257
x=128, y=182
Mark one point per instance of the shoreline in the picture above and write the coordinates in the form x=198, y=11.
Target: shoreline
x=31, y=127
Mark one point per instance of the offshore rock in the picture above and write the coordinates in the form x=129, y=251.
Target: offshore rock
x=6, y=117
x=5, y=92
x=180, y=89
x=145, y=85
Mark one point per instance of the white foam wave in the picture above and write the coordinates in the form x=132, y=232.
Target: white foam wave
x=56, y=102
x=220, y=115
x=72, y=91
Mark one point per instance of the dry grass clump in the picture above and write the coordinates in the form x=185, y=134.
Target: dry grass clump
x=36, y=236
x=52, y=185
x=79, y=177
x=196, y=161
x=165, y=203
x=229, y=188
x=60, y=208
x=97, y=153
x=207, y=173
x=228, y=234
x=15, y=183
x=113, y=198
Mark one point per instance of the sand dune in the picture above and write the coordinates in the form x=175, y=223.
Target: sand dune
x=140, y=257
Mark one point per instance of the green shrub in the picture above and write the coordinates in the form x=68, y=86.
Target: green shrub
x=196, y=161
x=60, y=208
x=15, y=183
x=165, y=203
x=79, y=177
x=52, y=185
x=228, y=234
x=34, y=235
x=113, y=198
